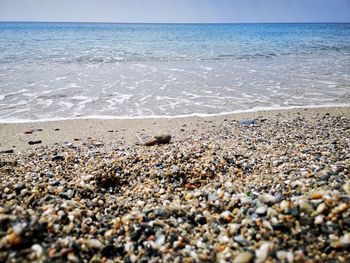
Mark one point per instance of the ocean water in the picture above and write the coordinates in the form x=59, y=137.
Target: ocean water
x=75, y=70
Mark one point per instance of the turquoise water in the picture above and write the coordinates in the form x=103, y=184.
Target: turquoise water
x=69, y=70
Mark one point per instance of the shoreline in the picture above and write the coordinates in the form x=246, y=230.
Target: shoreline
x=200, y=115
x=110, y=131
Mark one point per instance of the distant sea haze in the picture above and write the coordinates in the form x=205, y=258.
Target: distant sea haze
x=76, y=70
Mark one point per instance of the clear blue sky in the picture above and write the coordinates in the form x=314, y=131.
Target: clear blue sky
x=176, y=11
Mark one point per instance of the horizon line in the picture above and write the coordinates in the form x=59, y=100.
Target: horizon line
x=180, y=23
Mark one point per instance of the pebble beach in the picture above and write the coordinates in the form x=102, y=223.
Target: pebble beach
x=273, y=189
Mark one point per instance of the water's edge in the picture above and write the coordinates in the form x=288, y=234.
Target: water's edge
x=193, y=115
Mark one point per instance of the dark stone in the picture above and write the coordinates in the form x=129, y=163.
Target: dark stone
x=34, y=130
x=58, y=158
x=34, y=142
x=172, y=238
x=136, y=234
x=109, y=251
x=147, y=230
x=201, y=220
x=7, y=151
x=281, y=227
x=18, y=188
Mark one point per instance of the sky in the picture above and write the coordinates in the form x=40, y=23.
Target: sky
x=176, y=11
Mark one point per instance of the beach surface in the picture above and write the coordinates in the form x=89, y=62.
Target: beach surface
x=111, y=132
x=275, y=191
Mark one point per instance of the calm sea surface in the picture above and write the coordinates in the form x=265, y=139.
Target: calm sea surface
x=70, y=70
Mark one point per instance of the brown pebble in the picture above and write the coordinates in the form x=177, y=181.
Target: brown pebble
x=14, y=240
x=316, y=196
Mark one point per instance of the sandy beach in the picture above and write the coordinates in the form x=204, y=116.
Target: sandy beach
x=277, y=191
x=15, y=136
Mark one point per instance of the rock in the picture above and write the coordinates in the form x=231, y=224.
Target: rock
x=345, y=240
x=164, y=138
x=262, y=253
x=285, y=256
x=306, y=208
x=319, y=219
x=315, y=196
x=14, y=239
x=155, y=140
x=201, y=220
x=261, y=210
x=247, y=122
x=339, y=209
x=188, y=196
x=38, y=250
x=243, y=257
x=72, y=257
x=94, y=244
x=268, y=199
x=226, y=217
x=34, y=142
x=58, y=158
x=7, y=151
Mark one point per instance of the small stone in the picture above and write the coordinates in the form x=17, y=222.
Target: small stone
x=316, y=196
x=306, y=208
x=345, y=240
x=188, y=196
x=14, y=239
x=94, y=244
x=201, y=220
x=262, y=253
x=319, y=219
x=72, y=257
x=157, y=139
x=163, y=138
x=243, y=257
x=321, y=208
x=58, y=158
x=7, y=151
x=38, y=250
x=174, y=169
x=285, y=205
x=268, y=199
x=261, y=210
x=226, y=217
x=285, y=256
x=339, y=209
x=247, y=122
x=34, y=142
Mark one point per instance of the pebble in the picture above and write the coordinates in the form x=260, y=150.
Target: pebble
x=261, y=210
x=34, y=142
x=208, y=196
x=243, y=257
x=38, y=250
x=262, y=253
x=94, y=243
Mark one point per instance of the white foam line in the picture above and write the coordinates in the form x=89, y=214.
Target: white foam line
x=108, y=117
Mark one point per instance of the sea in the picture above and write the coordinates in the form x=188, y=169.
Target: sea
x=53, y=71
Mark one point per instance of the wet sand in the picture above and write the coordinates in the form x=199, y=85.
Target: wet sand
x=13, y=135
